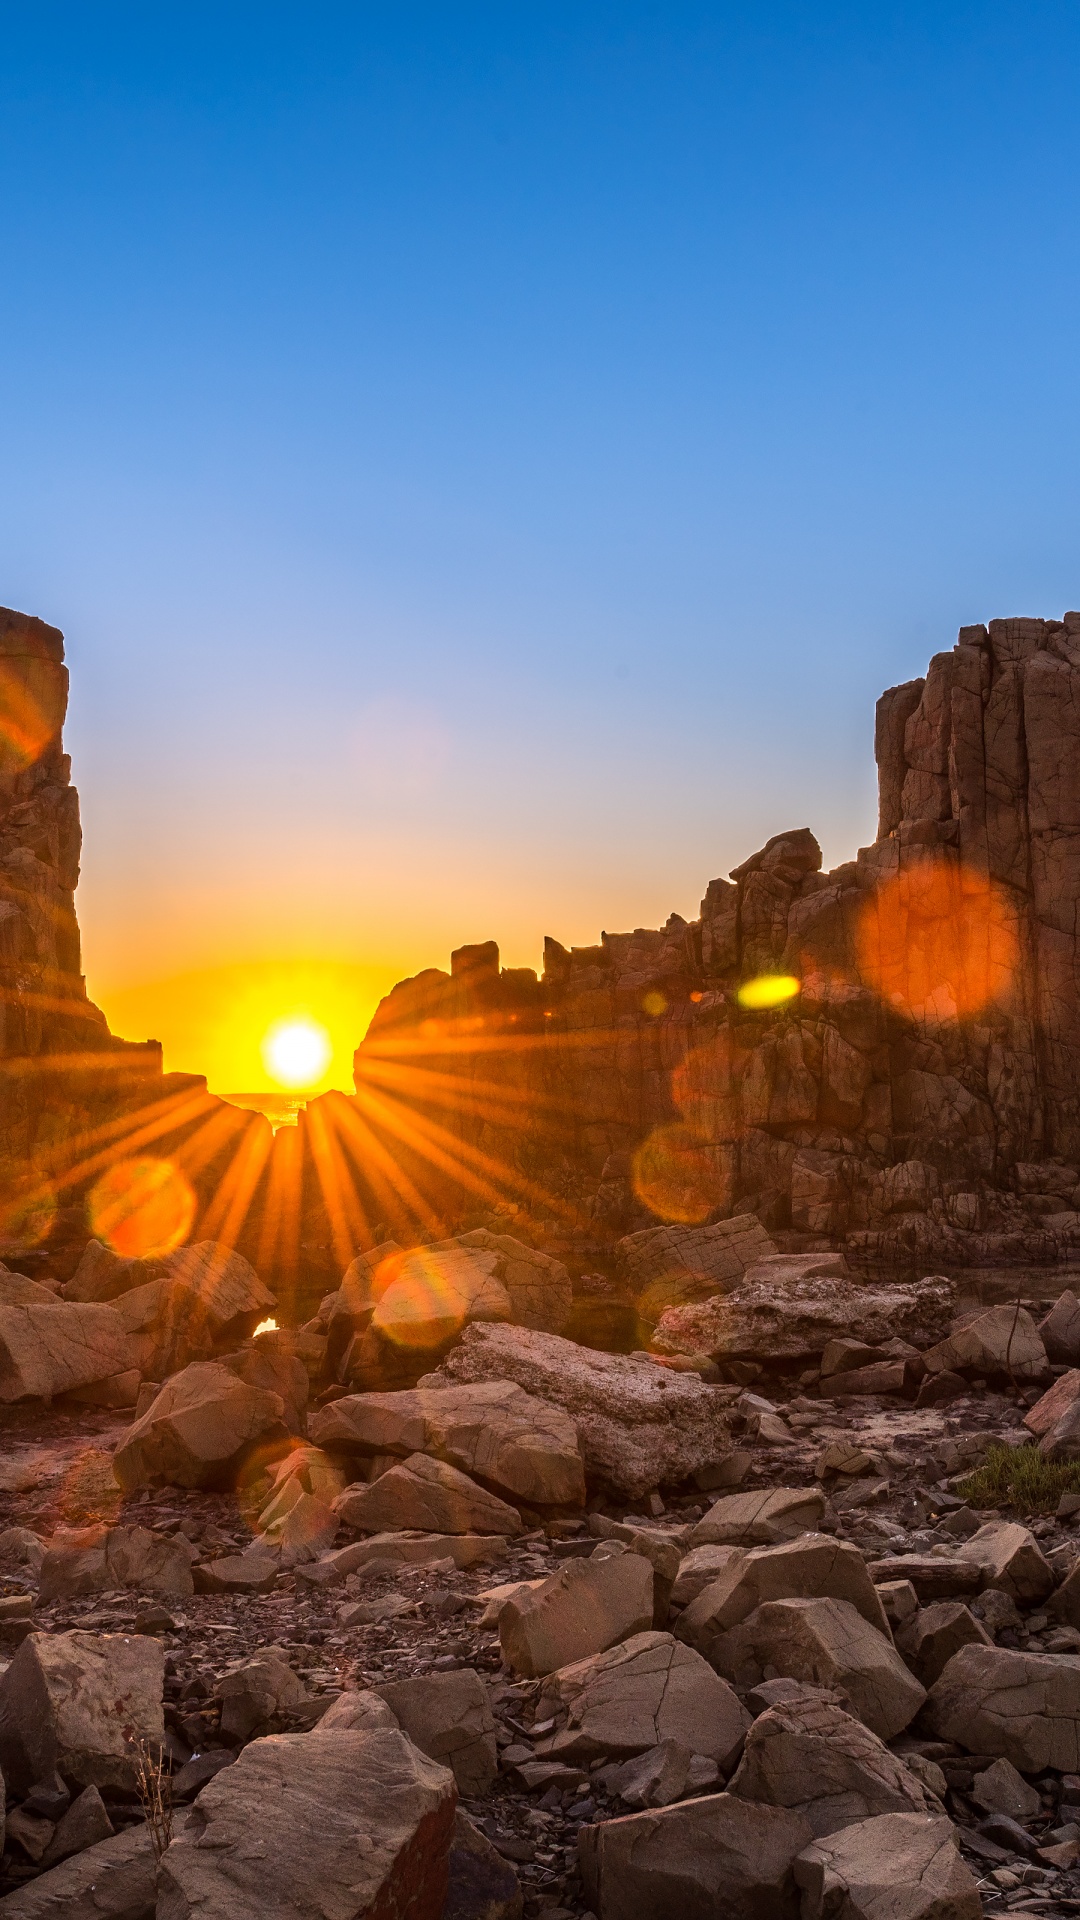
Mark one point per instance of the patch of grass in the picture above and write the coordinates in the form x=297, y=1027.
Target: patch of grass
x=1020, y=1477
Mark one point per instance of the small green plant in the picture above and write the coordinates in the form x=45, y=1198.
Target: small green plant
x=1020, y=1477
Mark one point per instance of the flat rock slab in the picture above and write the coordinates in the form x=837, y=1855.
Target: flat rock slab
x=72, y=1703
x=899, y=1866
x=717, y=1858
x=760, y=1519
x=334, y=1825
x=520, y=1446
x=793, y=1305
x=932, y=1579
x=588, y=1606
x=425, y=1495
x=648, y=1690
x=820, y=1762
x=1021, y=1707
x=639, y=1426
x=827, y=1643
x=114, y=1880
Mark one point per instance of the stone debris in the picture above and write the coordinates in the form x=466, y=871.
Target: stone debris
x=327, y=1823
x=647, y=1691
x=818, y=1761
x=899, y=1866
x=73, y=1703
x=521, y=1447
x=639, y=1426
x=588, y=1606
x=420, y=1494
x=827, y=1643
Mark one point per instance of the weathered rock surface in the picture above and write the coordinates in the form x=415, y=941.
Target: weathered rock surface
x=637, y=1695
x=1022, y=1707
x=929, y=1641
x=1009, y=1557
x=829, y=1644
x=1053, y=1404
x=329, y=1824
x=673, y=1266
x=813, y=1567
x=1060, y=1330
x=820, y=1762
x=793, y=1305
x=198, y=1429
x=72, y=1703
x=899, y=1866
x=448, y=1716
x=760, y=1519
x=588, y=1606
x=114, y=1880
x=639, y=1426
x=424, y=1494
x=115, y=1558
x=718, y=1858
x=520, y=1446
x=48, y=1350
x=482, y=1886
x=999, y=1342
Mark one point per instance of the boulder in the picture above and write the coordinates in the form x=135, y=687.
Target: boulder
x=813, y=1758
x=1022, y=1707
x=998, y=1343
x=639, y=1426
x=115, y=1558
x=407, y=1549
x=584, y=1608
x=931, y=1577
x=699, y=1568
x=827, y=1643
x=103, y=1275
x=637, y=1695
x=760, y=1519
x=899, y=1599
x=717, y=1858
x=262, y=1695
x=1062, y=1442
x=519, y=1446
x=886, y=1376
x=21, y=1547
x=328, y=1824
x=848, y=1356
x=1000, y=1789
x=361, y=1710
x=448, y=1716
x=538, y=1286
x=482, y=1885
x=929, y=1640
x=49, y=1350
x=666, y=1772
x=1060, y=1331
x=899, y=1866
x=198, y=1430
x=72, y=1703
x=114, y=1880
x=675, y=1265
x=792, y=1305
x=813, y=1567
x=253, y=1571
x=85, y=1823
x=425, y=1494
x=1053, y=1404
x=1009, y=1557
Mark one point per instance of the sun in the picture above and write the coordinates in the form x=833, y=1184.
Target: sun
x=296, y=1052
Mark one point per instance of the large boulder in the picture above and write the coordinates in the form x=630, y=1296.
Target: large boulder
x=114, y=1880
x=198, y=1429
x=898, y=1866
x=672, y=1266
x=929, y=1640
x=640, y=1426
x=214, y=1274
x=810, y=1756
x=717, y=1858
x=826, y=1643
x=760, y=1519
x=262, y=1695
x=427, y=1495
x=1001, y=1342
x=588, y=1606
x=539, y=1288
x=791, y=1305
x=1060, y=1330
x=104, y=1560
x=1010, y=1558
x=54, y=1349
x=337, y=1825
x=398, y=1312
x=448, y=1716
x=814, y=1567
x=518, y=1445
x=1022, y=1707
x=74, y=1703
x=102, y=1275
x=637, y=1695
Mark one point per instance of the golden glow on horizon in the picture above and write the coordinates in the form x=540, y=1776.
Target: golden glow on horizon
x=142, y=1207
x=296, y=1052
x=768, y=990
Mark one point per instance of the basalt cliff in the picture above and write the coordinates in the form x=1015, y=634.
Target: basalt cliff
x=915, y=1098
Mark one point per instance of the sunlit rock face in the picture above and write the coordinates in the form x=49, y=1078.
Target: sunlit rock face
x=918, y=1096
x=77, y=1105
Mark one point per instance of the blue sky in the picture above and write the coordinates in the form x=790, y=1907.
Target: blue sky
x=487, y=459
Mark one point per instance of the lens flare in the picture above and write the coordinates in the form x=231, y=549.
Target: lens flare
x=26, y=1222
x=142, y=1207
x=654, y=1005
x=768, y=990
x=938, y=942
x=296, y=1053
x=32, y=695
x=676, y=1176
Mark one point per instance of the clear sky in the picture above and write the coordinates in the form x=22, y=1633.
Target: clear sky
x=487, y=459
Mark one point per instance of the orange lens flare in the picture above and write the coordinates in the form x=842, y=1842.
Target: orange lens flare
x=31, y=711
x=142, y=1207
x=28, y=1221
x=676, y=1176
x=939, y=941
x=421, y=1307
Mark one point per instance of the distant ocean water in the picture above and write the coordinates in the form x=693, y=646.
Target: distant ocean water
x=281, y=1109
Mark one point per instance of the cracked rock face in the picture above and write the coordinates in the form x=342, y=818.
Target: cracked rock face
x=1023, y=1707
x=899, y=1866
x=428, y=1495
x=826, y=1643
x=819, y=1761
x=583, y=1609
x=637, y=1695
x=718, y=1858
